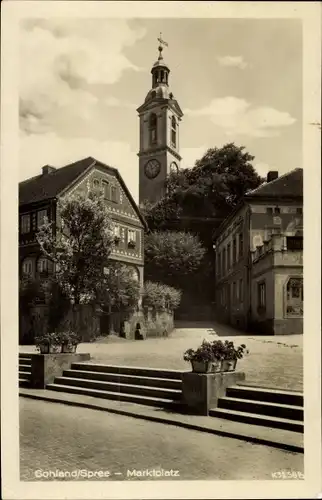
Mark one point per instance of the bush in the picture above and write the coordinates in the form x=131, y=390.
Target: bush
x=160, y=296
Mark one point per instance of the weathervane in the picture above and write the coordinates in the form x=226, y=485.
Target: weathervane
x=162, y=42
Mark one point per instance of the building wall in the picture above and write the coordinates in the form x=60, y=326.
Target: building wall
x=233, y=307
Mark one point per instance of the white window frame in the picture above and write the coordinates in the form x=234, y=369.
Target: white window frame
x=131, y=235
x=40, y=218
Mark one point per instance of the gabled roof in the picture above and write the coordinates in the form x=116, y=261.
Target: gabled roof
x=43, y=187
x=52, y=185
x=289, y=185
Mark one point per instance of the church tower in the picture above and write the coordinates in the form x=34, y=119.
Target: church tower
x=160, y=116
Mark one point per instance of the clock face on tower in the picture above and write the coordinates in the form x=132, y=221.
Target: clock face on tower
x=152, y=169
x=174, y=168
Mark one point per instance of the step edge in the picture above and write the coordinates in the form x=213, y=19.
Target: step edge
x=126, y=375
x=267, y=390
x=263, y=403
x=135, y=396
x=173, y=391
x=177, y=372
x=256, y=415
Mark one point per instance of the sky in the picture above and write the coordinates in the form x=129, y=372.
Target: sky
x=236, y=80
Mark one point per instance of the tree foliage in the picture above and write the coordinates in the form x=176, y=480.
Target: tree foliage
x=79, y=245
x=210, y=189
x=121, y=291
x=161, y=296
x=171, y=256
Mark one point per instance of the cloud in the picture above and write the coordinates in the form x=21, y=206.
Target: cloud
x=113, y=102
x=237, y=116
x=232, y=62
x=48, y=148
x=69, y=58
x=191, y=155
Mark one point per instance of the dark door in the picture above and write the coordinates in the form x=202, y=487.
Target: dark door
x=105, y=324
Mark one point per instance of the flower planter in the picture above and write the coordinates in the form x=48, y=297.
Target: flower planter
x=49, y=349
x=216, y=366
x=202, y=366
x=228, y=365
x=69, y=348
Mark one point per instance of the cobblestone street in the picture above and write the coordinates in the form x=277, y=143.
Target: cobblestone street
x=57, y=437
x=273, y=361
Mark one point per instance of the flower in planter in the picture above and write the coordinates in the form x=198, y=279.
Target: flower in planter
x=230, y=352
x=204, y=353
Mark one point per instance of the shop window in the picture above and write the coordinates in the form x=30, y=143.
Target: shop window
x=294, y=297
x=294, y=242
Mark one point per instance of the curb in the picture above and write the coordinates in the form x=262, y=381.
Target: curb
x=163, y=420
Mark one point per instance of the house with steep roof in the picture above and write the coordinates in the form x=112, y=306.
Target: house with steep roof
x=38, y=198
x=259, y=258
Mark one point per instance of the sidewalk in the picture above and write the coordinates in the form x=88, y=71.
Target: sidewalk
x=290, y=441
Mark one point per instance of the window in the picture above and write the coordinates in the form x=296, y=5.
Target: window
x=262, y=295
x=25, y=224
x=294, y=297
x=228, y=256
x=219, y=264
x=269, y=210
x=240, y=293
x=41, y=216
x=234, y=250
x=42, y=265
x=106, y=189
x=96, y=184
x=131, y=237
x=173, y=132
x=299, y=210
x=234, y=292
x=28, y=267
x=294, y=242
x=153, y=128
x=224, y=260
x=241, y=245
x=117, y=232
x=114, y=194
x=277, y=210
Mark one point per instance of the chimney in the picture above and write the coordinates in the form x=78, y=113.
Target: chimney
x=272, y=175
x=48, y=169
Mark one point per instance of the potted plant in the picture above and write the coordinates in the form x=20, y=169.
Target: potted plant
x=230, y=355
x=48, y=343
x=68, y=341
x=202, y=359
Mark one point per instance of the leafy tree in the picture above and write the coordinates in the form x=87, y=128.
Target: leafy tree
x=79, y=245
x=160, y=296
x=208, y=191
x=121, y=291
x=171, y=256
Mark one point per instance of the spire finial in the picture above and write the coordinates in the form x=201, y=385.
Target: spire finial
x=160, y=48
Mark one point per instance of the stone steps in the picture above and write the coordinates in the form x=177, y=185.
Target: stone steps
x=24, y=370
x=116, y=396
x=124, y=378
x=153, y=387
x=262, y=406
x=129, y=370
x=254, y=419
x=115, y=387
x=266, y=394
